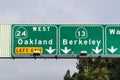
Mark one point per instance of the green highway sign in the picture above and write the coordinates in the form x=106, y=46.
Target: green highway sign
x=29, y=39
x=77, y=39
x=65, y=40
x=112, y=33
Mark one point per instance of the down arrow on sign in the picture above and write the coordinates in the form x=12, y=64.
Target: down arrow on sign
x=66, y=50
x=50, y=50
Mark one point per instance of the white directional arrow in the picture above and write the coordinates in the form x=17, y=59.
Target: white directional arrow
x=112, y=49
x=50, y=50
x=97, y=50
x=66, y=50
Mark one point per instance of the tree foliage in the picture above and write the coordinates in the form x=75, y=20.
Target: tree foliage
x=67, y=75
x=95, y=69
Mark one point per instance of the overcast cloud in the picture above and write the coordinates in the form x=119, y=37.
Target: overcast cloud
x=44, y=11
x=51, y=11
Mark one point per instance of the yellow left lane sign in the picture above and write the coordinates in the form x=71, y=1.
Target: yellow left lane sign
x=28, y=50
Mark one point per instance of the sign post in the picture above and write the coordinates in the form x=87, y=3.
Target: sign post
x=30, y=39
x=78, y=39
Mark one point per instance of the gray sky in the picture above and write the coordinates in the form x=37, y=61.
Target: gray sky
x=51, y=11
x=59, y=11
x=35, y=69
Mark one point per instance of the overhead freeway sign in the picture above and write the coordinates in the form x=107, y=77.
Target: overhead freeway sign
x=29, y=39
x=77, y=39
x=65, y=40
x=112, y=40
